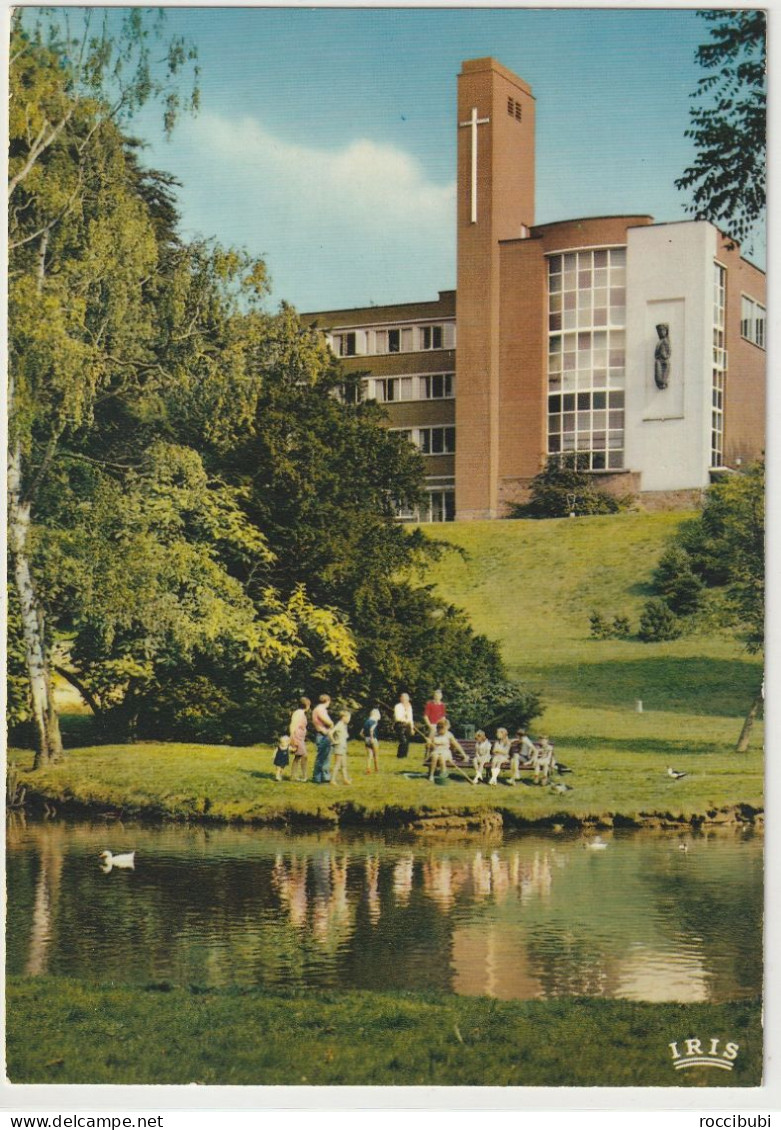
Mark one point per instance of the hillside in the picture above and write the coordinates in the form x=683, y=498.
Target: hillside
x=532, y=584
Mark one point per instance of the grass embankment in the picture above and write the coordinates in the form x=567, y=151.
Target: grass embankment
x=234, y=784
x=531, y=586
x=63, y=1031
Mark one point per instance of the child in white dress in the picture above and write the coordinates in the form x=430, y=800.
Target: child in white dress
x=482, y=755
x=500, y=755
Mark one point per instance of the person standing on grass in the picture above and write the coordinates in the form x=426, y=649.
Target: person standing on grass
x=500, y=754
x=299, y=720
x=370, y=741
x=281, y=756
x=339, y=737
x=434, y=712
x=323, y=731
x=403, y=724
x=441, y=745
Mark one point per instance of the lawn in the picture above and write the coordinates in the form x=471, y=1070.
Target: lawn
x=63, y=1031
x=529, y=585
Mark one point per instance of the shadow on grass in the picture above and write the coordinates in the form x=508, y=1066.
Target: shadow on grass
x=646, y=746
x=689, y=685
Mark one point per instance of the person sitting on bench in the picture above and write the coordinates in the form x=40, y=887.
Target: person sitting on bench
x=441, y=745
x=524, y=753
x=482, y=755
x=500, y=754
x=544, y=762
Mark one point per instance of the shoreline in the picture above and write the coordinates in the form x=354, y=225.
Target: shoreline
x=422, y=818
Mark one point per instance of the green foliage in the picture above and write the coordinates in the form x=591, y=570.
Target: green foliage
x=676, y=583
x=723, y=550
x=728, y=123
x=658, y=622
x=602, y=629
x=564, y=487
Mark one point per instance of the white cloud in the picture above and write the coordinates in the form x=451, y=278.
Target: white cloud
x=337, y=226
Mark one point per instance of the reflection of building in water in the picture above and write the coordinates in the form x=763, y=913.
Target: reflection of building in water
x=648, y=975
x=402, y=879
x=489, y=960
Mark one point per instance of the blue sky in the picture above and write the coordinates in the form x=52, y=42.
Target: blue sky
x=326, y=137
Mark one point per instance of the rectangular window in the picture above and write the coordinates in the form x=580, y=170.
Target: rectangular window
x=394, y=341
x=345, y=344
x=752, y=321
x=439, y=386
x=719, y=364
x=431, y=337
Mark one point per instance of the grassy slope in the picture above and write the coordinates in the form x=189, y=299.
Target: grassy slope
x=64, y=1031
x=531, y=586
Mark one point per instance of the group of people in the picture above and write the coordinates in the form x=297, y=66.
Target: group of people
x=331, y=738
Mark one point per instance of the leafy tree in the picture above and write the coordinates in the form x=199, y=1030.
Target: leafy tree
x=564, y=487
x=728, y=123
x=72, y=227
x=725, y=546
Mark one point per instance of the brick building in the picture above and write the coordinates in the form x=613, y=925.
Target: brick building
x=639, y=345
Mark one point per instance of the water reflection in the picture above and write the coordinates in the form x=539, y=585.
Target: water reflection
x=520, y=917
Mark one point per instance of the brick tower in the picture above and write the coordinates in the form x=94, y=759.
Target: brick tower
x=495, y=202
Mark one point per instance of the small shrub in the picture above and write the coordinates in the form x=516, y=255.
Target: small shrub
x=620, y=628
x=564, y=487
x=599, y=626
x=676, y=583
x=658, y=622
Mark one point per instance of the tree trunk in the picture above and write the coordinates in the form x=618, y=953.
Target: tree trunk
x=748, y=725
x=47, y=726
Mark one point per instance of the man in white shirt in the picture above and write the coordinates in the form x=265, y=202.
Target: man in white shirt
x=403, y=724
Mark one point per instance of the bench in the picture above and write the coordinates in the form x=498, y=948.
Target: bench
x=468, y=760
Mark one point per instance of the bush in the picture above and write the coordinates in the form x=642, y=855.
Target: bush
x=564, y=487
x=676, y=583
x=658, y=622
x=621, y=627
x=599, y=626
x=618, y=629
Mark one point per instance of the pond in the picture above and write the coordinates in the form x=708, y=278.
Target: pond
x=652, y=916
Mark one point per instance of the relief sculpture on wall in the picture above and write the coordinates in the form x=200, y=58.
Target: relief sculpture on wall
x=662, y=355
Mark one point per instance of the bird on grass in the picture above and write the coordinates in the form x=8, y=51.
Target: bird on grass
x=126, y=861
x=561, y=788
x=675, y=774
x=563, y=769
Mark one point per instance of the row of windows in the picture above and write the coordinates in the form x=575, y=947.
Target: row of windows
x=719, y=364
x=437, y=440
x=752, y=321
x=393, y=339
x=432, y=386
x=514, y=109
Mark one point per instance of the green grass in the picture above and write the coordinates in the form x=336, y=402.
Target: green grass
x=62, y=1031
x=617, y=772
x=531, y=586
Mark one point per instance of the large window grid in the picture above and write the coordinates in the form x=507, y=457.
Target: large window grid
x=719, y=365
x=752, y=321
x=431, y=386
x=586, y=355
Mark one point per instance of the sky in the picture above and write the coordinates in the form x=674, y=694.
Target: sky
x=326, y=139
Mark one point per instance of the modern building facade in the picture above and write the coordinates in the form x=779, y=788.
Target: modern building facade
x=641, y=346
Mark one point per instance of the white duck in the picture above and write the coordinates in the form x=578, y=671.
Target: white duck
x=597, y=844
x=127, y=860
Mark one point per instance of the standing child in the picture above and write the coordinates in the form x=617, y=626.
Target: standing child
x=339, y=736
x=281, y=756
x=370, y=741
x=482, y=755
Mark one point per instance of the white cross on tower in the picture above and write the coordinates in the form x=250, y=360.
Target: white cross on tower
x=474, y=122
